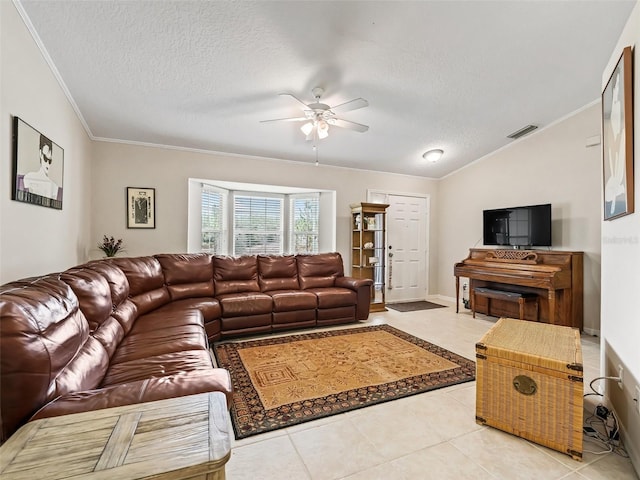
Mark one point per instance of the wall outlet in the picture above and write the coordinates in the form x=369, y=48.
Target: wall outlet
x=637, y=399
x=621, y=376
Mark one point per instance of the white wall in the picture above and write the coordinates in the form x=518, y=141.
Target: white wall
x=168, y=170
x=33, y=239
x=552, y=165
x=621, y=274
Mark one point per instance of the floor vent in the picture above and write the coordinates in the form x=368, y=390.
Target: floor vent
x=523, y=131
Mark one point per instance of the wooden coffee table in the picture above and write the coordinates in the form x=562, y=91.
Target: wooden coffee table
x=179, y=438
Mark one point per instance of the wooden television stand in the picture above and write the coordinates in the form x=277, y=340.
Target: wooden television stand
x=554, y=278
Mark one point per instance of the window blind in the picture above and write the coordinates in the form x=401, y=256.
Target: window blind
x=213, y=225
x=257, y=225
x=304, y=223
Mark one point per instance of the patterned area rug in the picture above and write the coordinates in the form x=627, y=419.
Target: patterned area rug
x=413, y=306
x=283, y=381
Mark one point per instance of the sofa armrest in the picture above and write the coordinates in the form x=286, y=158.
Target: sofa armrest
x=362, y=287
x=353, y=283
x=149, y=390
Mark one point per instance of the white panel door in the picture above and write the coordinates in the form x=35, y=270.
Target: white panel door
x=406, y=248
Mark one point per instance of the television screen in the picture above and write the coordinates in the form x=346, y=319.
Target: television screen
x=528, y=226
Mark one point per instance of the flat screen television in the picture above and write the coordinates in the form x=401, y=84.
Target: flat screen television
x=518, y=227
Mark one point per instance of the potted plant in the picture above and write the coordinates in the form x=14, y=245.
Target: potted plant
x=110, y=246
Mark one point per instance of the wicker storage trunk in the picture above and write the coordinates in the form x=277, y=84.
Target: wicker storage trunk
x=529, y=383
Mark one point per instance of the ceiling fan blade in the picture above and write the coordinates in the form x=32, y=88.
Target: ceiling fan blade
x=350, y=105
x=338, y=122
x=302, y=105
x=291, y=119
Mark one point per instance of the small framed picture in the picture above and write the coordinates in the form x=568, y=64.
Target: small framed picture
x=141, y=207
x=38, y=167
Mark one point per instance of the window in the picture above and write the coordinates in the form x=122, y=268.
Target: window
x=257, y=225
x=231, y=218
x=304, y=219
x=213, y=232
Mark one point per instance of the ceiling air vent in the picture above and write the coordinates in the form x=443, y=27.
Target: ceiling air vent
x=523, y=131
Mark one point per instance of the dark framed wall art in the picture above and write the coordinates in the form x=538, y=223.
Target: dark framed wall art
x=38, y=167
x=141, y=207
x=617, y=139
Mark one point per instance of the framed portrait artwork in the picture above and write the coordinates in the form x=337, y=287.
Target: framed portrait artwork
x=617, y=139
x=38, y=167
x=141, y=207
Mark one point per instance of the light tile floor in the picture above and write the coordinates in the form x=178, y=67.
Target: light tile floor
x=427, y=436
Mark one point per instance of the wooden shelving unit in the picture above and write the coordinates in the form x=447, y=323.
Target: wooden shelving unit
x=368, y=248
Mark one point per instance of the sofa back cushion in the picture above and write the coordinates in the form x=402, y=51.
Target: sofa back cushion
x=93, y=292
x=146, y=282
x=235, y=274
x=320, y=270
x=95, y=302
x=45, y=348
x=122, y=308
x=187, y=275
x=277, y=272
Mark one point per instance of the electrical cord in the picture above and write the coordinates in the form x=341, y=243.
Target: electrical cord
x=607, y=433
x=595, y=392
x=605, y=424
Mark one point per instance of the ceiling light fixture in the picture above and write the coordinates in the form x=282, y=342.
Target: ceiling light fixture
x=320, y=126
x=323, y=129
x=307, y=128
x=433, y=155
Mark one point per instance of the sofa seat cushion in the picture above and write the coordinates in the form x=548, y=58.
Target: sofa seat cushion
x=158, y=366
x=168, y=317
x=208, y=306
x=148, y=390
x=244, y=304
x=291, y=300
x=335, y=297
x=151, y=343
x=161, y=319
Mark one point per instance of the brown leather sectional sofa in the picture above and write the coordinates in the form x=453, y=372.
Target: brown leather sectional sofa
x=120, y=331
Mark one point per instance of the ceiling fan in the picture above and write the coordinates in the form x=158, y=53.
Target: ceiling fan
x=319, y=116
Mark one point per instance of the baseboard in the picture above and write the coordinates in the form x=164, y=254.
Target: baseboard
x=591, y=331
x=443, y=298
x=630, y=446
x=621, y=402
x=446, y=298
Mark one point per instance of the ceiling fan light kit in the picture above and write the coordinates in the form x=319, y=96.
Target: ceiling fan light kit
x=319, y=116
x=433, y=155
x=323, y=129
x=307, y=128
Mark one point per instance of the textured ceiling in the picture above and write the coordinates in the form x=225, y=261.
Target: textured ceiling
x=456, y=75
